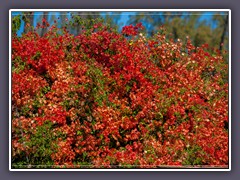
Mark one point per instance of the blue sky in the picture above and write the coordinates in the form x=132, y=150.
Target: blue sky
x=122, y=20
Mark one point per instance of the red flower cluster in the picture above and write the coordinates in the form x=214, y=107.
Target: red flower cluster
x=102, y=100
x=132, y=30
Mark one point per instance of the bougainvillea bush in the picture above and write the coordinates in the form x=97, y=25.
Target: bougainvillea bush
x=104, y=99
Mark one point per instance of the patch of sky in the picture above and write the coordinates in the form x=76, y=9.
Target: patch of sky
x=119, y=18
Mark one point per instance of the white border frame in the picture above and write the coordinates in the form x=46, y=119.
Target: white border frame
x=118, y=10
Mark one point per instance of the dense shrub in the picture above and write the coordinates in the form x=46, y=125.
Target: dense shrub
x=109, y=99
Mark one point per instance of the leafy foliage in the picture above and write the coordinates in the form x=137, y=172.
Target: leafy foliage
x=16, y=23
x=105, y=99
